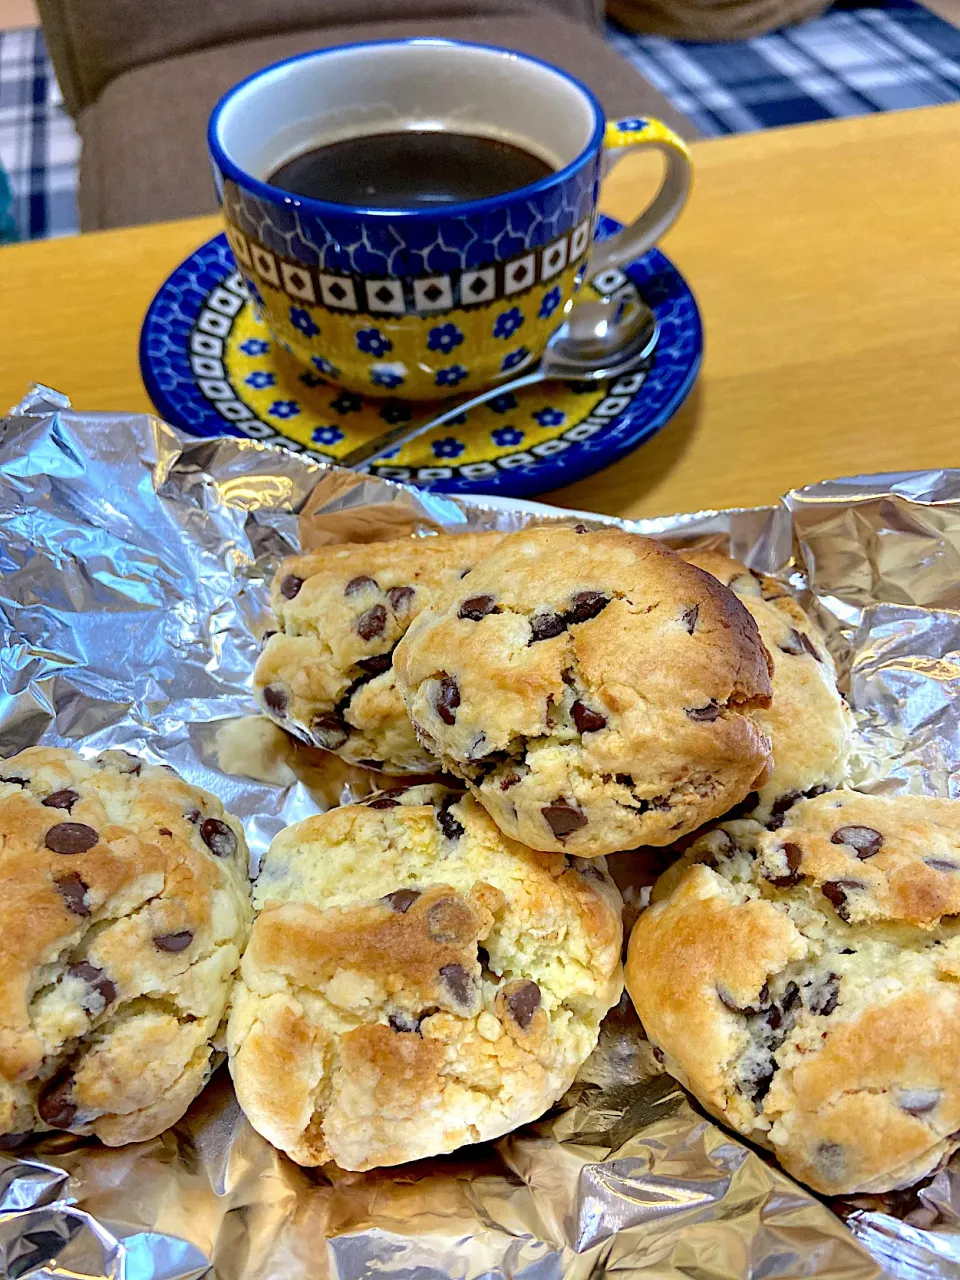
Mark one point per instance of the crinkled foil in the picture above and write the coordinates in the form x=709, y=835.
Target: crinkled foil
x=133, y=591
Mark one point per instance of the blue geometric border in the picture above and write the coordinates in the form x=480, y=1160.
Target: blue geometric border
x=171, y=384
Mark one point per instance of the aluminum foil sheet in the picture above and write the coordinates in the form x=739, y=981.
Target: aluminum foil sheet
x=134, y=566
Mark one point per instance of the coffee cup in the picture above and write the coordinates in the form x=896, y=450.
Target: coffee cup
x=392, y=290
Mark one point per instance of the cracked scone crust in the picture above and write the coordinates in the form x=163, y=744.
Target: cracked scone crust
x=124, y=908
x=325, y=674
x=809, y=724
x=804, y=984
x=594, y=690
x=415, y=982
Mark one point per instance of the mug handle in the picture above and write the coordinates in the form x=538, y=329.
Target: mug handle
x=646, y=229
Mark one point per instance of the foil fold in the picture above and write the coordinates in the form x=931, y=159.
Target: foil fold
x=134, y=572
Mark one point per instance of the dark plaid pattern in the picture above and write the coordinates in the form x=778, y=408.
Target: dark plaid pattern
x=38, y=143
x=849, y=62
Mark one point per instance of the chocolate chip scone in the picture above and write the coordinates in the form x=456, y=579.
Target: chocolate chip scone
x=804, y=984
x=594, y=690
x=124, y=907
x=809, y=724
x=414, y=981
x=325, y=674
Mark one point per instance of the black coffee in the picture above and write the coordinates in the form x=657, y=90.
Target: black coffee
x=409, y=170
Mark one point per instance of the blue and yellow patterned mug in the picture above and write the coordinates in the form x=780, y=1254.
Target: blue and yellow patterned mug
x=422, y=303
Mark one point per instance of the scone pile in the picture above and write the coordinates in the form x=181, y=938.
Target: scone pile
x=430, y=967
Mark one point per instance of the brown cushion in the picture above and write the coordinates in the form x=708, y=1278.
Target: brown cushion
x=92, y=42
x=144, y=141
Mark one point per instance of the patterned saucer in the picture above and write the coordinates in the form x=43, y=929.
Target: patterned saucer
x=212, y=367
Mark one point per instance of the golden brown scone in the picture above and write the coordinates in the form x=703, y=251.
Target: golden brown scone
x=124, y=907
x=325, y=673
x=803, y=984
x=415, y=981
x=809, y=725
x=595, y=690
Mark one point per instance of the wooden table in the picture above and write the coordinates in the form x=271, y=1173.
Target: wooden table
x=826, y=260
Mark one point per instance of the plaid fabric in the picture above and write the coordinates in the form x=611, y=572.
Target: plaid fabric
x=846, y=63
x=39, y=146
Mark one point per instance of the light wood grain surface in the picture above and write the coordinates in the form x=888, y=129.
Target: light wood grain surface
x=826, y=260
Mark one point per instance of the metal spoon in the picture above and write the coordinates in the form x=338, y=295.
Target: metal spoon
x=598, y=340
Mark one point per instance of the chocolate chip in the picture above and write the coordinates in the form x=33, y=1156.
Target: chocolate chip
x=579, y=528
x=96, y=980
x=791, y=997
x=277, y=699
x=383, y=802
x=835, y=891
x=376, y=666
x=794, y=856
x=16, y=781
x=545, y=626
x=710, y=712
x=825, y=998
x=448, y=824
x=55, y=1103
x=746, y=805
x=72, y=889
x=122, y=761
x=173, y=941
x=563, y=818
x=865, y=840
x=401, y=899
x=917, y=1102
x=809, y=646
x=61, y=800
x=586, y=605
x=459, y=983
x=779, y=808
x=509, y=781
x=360, y=584
x=448, y=699
x=400, y=598
x=164, y=831
x=218, y=838
x=831, y=1158
x=449, y=921
x=193, y=816
x=372, y=623
x=71, y=837
x=404, y=1023
x=689, y=618
x=762, y=1001
x=523, y=1000
x=793, y=644
x=587, y=720
x=329, y=731
x=290, y=585
x=761, y=1081
x=941, y=864
x=477, y=607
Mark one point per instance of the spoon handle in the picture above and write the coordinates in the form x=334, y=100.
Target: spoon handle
x=361, y=458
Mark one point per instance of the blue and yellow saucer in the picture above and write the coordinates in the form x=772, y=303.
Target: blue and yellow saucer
x=212, y=367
